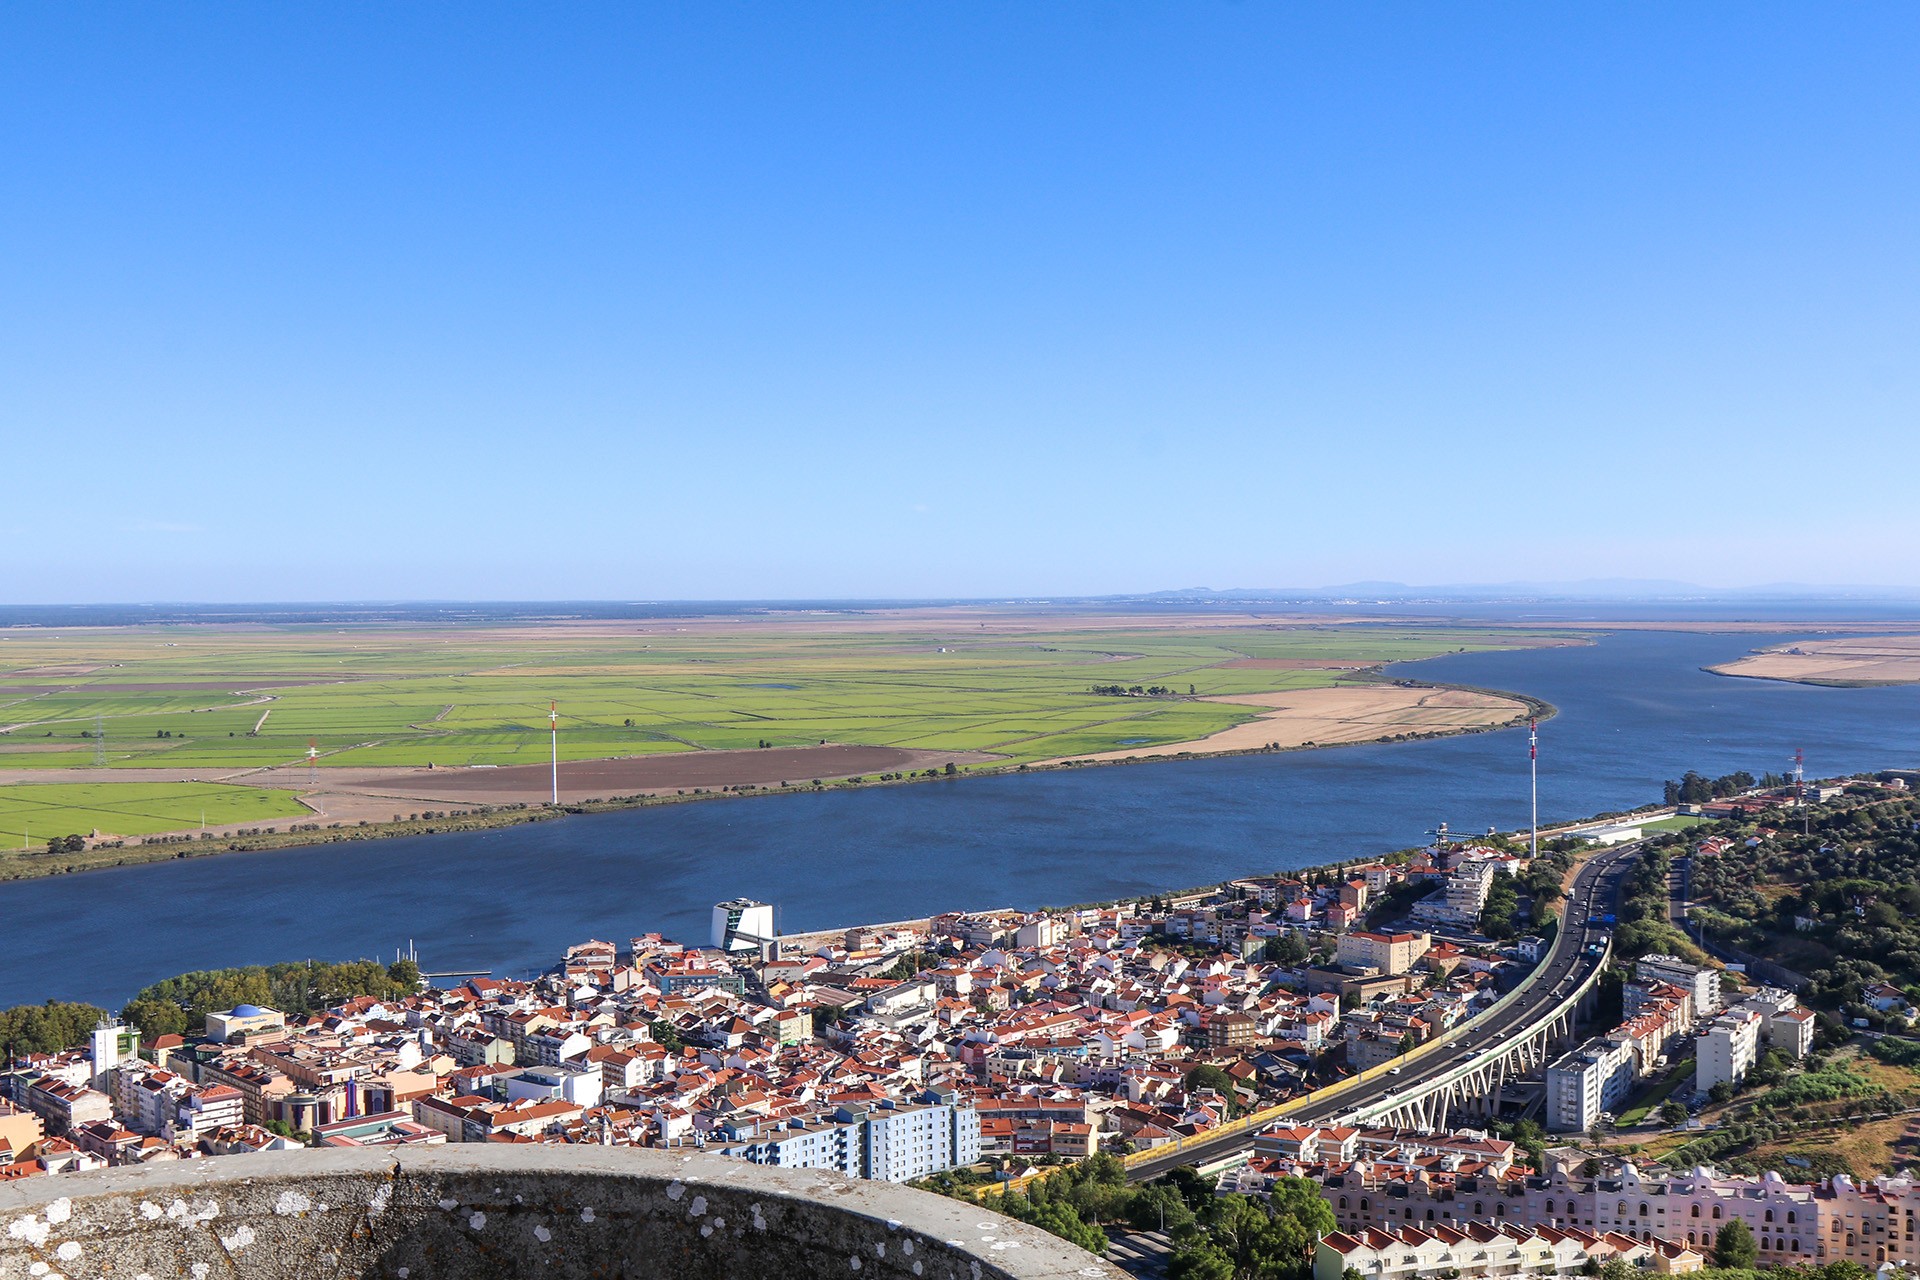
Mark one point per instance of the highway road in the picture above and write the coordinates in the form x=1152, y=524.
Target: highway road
x=1596, y=891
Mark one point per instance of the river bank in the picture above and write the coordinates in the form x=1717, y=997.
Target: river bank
x=189, y=844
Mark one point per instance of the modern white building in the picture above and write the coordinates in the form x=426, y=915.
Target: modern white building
x=742, y=924
x=201, y=1111
x=110, y=1045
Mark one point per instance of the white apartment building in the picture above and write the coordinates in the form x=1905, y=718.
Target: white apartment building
x=1869, y=1223
x=802, y=1145
x=201, y=1111
x=145, y=1096
x=895, y=1143
x=544, y=1084
x=1043, y=931
x=110, y=1045
x=1459, y=904
x=1584, y=1082
x=1784, y=1025
x=1704, y=983
x=918, y=1140
x=1783, y=1216
x=1726, y=1048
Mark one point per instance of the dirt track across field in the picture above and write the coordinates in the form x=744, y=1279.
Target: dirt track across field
x=238, y=684
x=1344, y=714
x=681, y=770
x=1298, y=664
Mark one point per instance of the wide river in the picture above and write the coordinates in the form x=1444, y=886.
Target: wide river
x=1635, y=709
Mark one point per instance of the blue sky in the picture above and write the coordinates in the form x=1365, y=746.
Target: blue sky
x=711, y=301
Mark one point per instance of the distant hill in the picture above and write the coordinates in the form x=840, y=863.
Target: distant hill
x=1612, y=589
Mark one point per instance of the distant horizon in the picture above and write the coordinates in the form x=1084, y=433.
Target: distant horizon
x=1615, y=594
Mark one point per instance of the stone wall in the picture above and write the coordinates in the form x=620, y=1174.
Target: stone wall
x=490, y=1212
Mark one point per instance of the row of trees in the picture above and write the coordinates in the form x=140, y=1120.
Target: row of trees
x=1696, y=788
x=178, y=1004
x=1139, y=691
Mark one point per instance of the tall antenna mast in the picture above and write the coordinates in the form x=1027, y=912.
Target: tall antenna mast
x=553, y=721
x=313, y=762
x=1533, y=767
x=1800, y=789
x=99, y=741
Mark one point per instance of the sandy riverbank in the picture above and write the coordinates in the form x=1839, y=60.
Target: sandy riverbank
x=1341, y=715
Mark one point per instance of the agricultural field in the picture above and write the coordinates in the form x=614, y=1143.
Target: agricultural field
x=170, y=704
x=32, y=812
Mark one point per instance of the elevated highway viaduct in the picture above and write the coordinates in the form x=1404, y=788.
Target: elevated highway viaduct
x=1458, y=1075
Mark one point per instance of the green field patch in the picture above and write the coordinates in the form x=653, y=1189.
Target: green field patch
x=1676, y=823
x=41, y=810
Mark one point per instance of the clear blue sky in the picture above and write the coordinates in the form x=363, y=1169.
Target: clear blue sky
x=710, y=301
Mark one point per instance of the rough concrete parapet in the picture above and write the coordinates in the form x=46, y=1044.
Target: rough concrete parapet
x=489, y=1212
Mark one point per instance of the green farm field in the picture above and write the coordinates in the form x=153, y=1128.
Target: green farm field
x=212, y=703
x=31, y=812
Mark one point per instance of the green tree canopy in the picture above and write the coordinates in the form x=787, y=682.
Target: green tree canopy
x=1733, y=1246
x=1208, y=1076
x=47, y=1028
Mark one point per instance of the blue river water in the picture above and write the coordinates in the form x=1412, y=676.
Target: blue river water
x=1635, y=709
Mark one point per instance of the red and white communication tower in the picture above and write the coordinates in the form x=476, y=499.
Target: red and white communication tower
x=553, y=724
x=313, y=762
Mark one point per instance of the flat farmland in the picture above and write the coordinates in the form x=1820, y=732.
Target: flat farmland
x=244, y=706
x=1855, y=661
x=33, y=812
